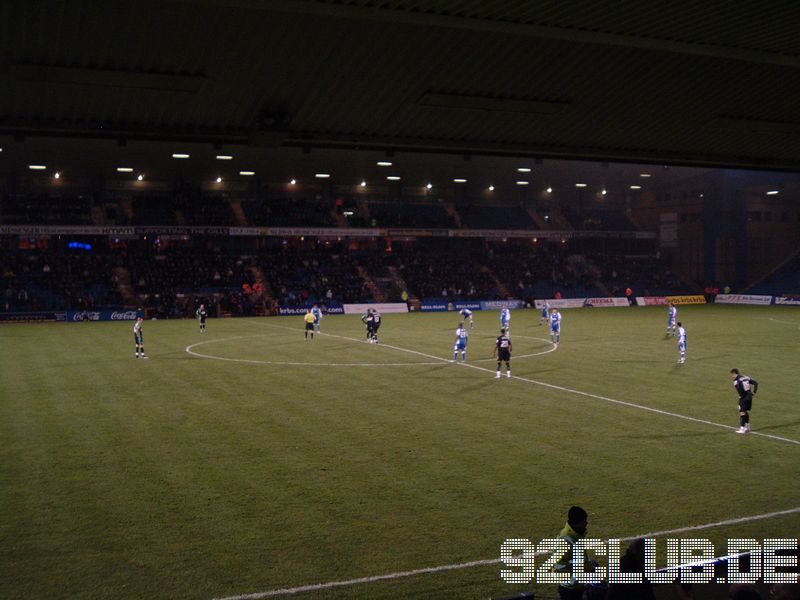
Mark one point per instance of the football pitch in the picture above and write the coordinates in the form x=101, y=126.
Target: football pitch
x=248, y=460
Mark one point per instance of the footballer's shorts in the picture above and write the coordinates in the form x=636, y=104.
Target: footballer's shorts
x=746, y=403
x=309, y=327
x=504, y=355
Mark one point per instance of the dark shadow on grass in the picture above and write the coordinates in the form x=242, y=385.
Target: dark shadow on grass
x=638, y=360
x=778, y=426
x=714, y=357
x=667, y=436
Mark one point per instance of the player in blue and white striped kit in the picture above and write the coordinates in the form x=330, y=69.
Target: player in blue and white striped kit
x=672, y=319
x=505, y=318
x=681, y=343
x=467, y=314
x=317, y=312
x=555, y=326
x=545, y=310
x=461, y=343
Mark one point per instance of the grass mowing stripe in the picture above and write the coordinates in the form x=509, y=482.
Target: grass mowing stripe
x=489, y=561
x=578, y=392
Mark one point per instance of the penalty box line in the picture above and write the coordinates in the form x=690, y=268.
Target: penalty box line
x=568, y=390
x=480, y=563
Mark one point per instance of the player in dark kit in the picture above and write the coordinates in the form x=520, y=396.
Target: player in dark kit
x=201, y=315
x=376, y=324
x=746, y=387
x=372, y=321
x=502, y=349
x=138, y=338
x=369, y=320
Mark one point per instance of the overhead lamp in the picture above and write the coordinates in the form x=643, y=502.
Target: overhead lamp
x=124, y=169
x=179, y=155
x=224, y=157
x=459, y=180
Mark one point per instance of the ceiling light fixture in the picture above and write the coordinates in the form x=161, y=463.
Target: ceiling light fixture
x=322, y=175
x=636, y=187
x=180, y=155
x=524, y=170
x=491, y=188
x=224, y=157
x=247, y=173
x=773, y=192
x=523, y=182
x=580, y=185
x=393, y=177
x=124, y=169
x=384, y=163
x=37, y=167
x=140, y=178
x=459, y=180
x=219, y=179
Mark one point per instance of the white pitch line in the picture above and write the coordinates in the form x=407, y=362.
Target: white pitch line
x=580, y=393
x=438, y=361
x=189, y=350
x=479, y=563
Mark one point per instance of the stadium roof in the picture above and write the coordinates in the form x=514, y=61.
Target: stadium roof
x=712, y=83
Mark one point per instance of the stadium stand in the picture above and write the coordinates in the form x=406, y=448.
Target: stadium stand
x=784, y=280
x=410, y=215
x=38, y=208
x=287, y=212
x=598, y=220
x=496, y=217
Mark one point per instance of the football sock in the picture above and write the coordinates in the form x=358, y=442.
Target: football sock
x=742, y=420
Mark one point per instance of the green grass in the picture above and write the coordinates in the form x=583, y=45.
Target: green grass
x=187, y=477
